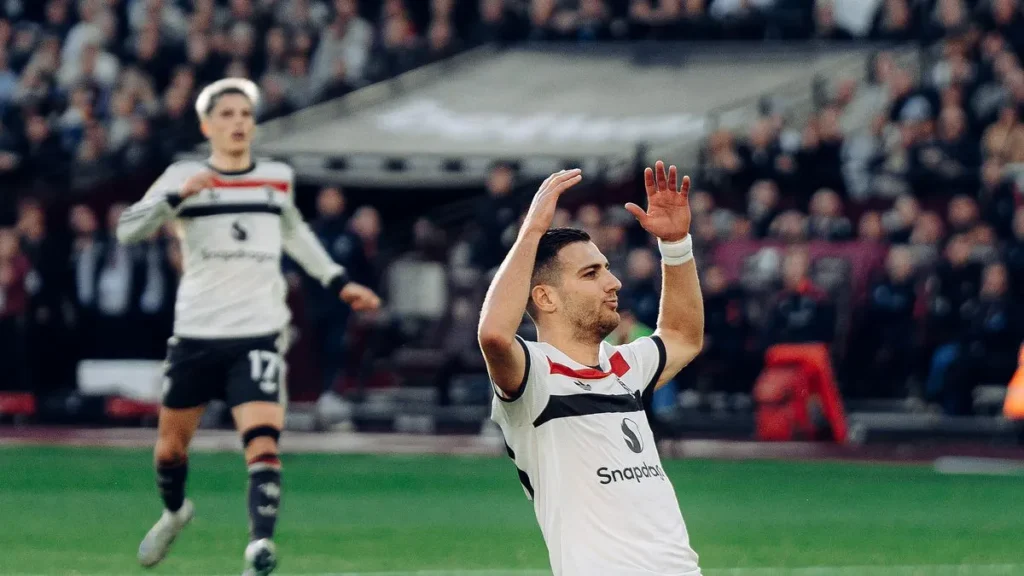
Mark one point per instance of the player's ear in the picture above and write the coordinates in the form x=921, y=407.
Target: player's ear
x=544, y=298
x=204, y=127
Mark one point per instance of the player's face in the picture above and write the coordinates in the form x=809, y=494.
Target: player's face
x=230, y=126
x=589, y=291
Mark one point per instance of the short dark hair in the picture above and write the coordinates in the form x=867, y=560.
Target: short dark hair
x=220, y=94
x=545, y=266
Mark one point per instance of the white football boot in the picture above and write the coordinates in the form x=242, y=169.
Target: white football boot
x=260, y=558
x=158, y=540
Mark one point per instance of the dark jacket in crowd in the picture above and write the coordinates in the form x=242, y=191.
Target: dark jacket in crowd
x=800, y=316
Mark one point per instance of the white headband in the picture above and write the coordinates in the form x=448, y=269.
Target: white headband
x=247, y=87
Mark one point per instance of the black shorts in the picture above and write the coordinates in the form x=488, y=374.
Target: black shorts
x=236, y=370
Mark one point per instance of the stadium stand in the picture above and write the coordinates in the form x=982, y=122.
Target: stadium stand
x=858, y=183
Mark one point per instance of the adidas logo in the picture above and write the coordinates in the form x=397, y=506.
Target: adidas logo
x=270, y=490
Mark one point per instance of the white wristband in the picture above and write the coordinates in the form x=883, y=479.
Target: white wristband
x=676, y=253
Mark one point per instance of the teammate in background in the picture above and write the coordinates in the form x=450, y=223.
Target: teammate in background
x=571, y=406
x=234, y=216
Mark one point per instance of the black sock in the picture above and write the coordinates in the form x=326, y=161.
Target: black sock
x=264, y=495
x=170, y=478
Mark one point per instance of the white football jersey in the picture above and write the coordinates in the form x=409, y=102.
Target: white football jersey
x=232, y=237
x=586, y=457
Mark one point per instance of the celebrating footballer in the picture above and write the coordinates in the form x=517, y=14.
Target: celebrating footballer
x=571, y=406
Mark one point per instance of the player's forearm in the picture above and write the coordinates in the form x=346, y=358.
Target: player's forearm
x=304, y=247
x=508, y=293
x=141, y=220
x=681, y=317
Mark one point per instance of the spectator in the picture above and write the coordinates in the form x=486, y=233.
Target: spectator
x=399, y=49
x=725, y=358
x=93, y=163
x=1015, y=256
x=763, y=206
x=962, y=214
x=10, y=162
x=928, y=233
x=722, y=168
x=821, y=156
x=760, y=153
x=893, y=21
x=985, y=349
x=117, y=286
x=954, y=282
x=337, y=85
x=495, y=213
x=44, y=328
x=157, y=277
x=441, y=40
x=1005, y=18
x=888, y=330
x=800, y=311
x=495, y=23
x=91, y=65
x=140, y=154
x=8, y=80
x=366, y=224
x=329, y=314
x=825, y=25
x=998, y=198
x=207, y=65
x=85, y=259
x=44, y=159
x=900, y=221
x=639, y=290
x=1004, y=140
x=301, y=90
x=741, y=19
x=790, y=227
x=827, y=221
x=14, y=269
x=870, y=229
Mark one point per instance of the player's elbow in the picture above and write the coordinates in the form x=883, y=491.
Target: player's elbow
x=126, y=235
x=494, y=342
x=688, y=344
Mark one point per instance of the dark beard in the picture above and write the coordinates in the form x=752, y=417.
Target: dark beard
x=593, y=330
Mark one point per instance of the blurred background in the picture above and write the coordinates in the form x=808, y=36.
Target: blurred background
x=857, y=166
x=858, y=226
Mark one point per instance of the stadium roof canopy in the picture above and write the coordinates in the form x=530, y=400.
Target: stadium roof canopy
x=542, y=108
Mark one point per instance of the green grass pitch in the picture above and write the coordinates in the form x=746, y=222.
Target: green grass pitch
x=83, y=511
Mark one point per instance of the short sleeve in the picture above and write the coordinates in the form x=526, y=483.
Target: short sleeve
x=533, y=393
x=648, y=355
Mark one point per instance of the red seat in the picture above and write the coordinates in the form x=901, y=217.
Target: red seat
x=796, y=385
x=127, y=409
x=17, y=404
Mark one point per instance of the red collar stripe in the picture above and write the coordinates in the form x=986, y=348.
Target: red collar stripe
x=618, y=364
x=279, y=185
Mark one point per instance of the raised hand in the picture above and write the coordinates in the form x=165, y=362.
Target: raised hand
x=545, y=203
x=668, y=207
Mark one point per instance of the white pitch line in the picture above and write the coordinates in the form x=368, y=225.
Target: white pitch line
x=910, y=570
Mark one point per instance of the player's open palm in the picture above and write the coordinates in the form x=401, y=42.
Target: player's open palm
x=359, y=297
x=668, y=206
x=545, y=202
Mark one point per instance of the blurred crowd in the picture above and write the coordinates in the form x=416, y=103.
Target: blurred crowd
x=901, y=244
x=935, y=180
x=90, y=89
